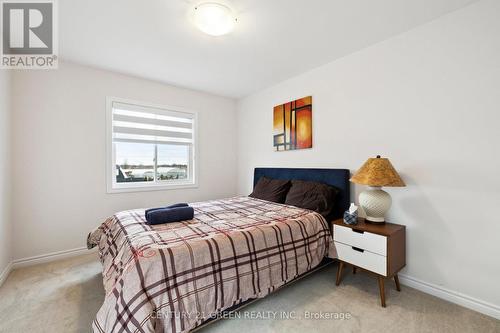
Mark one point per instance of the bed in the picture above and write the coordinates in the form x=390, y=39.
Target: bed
x=175, y=277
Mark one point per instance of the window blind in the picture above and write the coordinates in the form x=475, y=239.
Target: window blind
x=139, y=124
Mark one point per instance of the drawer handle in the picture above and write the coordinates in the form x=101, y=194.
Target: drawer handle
x=357, y=249
x=358, y=231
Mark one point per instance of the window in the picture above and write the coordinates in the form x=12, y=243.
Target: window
x=149, y=147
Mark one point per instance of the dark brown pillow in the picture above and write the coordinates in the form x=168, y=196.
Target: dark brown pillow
x=314, y=196
x=274, y=190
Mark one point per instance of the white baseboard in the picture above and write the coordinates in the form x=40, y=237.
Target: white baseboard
x=40, y=259
x=48, y=257
x=472, y=303
x=5, y=273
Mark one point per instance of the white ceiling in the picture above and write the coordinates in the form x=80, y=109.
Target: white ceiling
x=273, y=39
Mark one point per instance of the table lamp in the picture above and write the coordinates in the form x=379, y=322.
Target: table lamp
x=376, y=172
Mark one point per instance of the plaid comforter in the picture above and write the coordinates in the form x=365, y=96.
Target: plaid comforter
x=172, y=277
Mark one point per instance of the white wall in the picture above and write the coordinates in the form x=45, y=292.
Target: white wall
x=429, y=100
x=5, y=223
x=59, y=193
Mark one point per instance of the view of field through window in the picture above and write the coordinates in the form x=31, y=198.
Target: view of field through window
x=135, y=162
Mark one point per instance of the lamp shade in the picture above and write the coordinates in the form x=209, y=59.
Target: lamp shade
x=378, y=172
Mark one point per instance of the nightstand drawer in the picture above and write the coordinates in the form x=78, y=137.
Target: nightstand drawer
x=365, y=240
x=362, y=258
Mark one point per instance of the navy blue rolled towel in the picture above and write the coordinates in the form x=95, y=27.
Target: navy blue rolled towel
x=183, y=204
x=167, y=215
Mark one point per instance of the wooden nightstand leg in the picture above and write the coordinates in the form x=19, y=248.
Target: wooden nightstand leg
x=396, y=279
x=339, y=273
x=353, y=269
x=382, y=291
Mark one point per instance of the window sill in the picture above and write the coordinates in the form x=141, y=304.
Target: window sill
x=149, y=188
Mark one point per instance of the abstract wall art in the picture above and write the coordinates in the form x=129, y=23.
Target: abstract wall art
x=293, y=125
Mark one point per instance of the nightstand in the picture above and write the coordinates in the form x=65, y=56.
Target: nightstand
x=376, y=248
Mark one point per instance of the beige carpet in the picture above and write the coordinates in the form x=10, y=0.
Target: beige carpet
x=64, y=296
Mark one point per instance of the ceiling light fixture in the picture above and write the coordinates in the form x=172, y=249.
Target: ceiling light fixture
x=214, y=19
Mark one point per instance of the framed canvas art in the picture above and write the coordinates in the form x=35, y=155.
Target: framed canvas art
x=293, y=125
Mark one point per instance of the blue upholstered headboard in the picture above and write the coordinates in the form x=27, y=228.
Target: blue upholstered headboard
x=335, y=177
